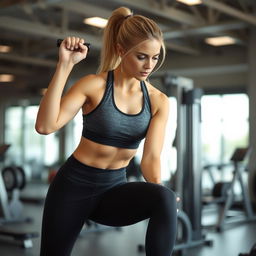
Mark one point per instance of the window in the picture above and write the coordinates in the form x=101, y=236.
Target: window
x=225, y=126
x=13, y=135
x=28, y=148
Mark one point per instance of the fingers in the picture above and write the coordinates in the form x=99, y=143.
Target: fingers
x=82, y=46
x=75, y=44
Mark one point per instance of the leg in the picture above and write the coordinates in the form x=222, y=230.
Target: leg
x=64, y=216
x=135, y=201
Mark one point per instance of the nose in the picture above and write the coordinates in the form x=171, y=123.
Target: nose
x=148, y=64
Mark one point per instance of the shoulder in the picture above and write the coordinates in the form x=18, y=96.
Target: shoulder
x=92, y=79
x=159, y=100
x=91, y=82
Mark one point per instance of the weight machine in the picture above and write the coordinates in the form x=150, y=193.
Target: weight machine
x=12, y=179
x=227, y=199
x=186, y=182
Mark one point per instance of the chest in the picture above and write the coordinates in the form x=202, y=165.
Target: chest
x=130, y=103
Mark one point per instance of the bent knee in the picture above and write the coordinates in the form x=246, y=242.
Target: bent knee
x=166, y=196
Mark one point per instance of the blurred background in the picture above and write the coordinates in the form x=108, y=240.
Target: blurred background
x=211, y=49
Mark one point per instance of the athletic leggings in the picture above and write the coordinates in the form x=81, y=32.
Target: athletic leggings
x=80, y=192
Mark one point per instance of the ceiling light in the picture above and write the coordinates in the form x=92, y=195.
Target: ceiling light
x=220, y=41
x=96, y=21
x=190, y=2
x=5, y=48
x=6, y=78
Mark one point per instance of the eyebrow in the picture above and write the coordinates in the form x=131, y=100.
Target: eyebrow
x=142, y=53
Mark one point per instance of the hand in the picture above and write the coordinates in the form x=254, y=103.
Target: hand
x=72, y=50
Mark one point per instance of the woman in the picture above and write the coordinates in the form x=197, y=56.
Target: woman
x=119, y=109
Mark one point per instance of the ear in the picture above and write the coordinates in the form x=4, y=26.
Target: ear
x=120, y=50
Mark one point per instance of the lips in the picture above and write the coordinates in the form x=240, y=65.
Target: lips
x=144, y=73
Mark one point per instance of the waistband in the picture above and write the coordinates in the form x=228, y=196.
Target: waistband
x=80, y=171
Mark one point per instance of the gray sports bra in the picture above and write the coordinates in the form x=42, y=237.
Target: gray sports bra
x=108, y=125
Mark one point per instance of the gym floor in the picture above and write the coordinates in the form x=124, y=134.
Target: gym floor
x=124, y=241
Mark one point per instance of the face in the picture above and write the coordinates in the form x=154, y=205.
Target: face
x=141, y=60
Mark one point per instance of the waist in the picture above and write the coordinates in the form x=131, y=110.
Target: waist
x=102, y=156
x=80, y=172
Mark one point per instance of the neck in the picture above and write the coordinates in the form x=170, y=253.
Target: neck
x=122, y=79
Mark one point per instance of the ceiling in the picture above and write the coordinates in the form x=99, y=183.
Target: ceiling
x=31, y=28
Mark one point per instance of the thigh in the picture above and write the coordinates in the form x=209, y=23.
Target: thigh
x=64, y=215
x=128, y=203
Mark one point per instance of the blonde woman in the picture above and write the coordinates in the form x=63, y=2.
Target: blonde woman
x=120, y=108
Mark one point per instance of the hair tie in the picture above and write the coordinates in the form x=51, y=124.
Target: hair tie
x=128, y=16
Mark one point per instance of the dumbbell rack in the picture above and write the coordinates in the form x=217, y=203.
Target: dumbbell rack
x=23, y=239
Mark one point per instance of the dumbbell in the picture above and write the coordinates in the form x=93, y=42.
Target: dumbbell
x=88, y=45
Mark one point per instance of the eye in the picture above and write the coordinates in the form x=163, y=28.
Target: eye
x=141, y=57
x=156, y=58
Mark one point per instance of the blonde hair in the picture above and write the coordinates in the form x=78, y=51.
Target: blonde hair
x=128, y=30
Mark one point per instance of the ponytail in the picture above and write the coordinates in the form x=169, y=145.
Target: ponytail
x=109, y=58
x=128, y=30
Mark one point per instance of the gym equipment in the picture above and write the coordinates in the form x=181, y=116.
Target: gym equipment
x=238, y=157
x=208, y=168
x=14, y=177
x=12, y=180
x=184, y=235
x=189, y=164
x=220, y=189
x=186, y=240
x=227, y=194
x=251, y=253
x=187, y=179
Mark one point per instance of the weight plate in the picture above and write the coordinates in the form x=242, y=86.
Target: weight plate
x=21, y=177
x=10, y=178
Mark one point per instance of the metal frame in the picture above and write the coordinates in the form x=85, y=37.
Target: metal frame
x=224, y=209
x=189, y=164
x=24, y=239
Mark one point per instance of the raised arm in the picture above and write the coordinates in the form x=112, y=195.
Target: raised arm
x=54, y=110
x=150, y=163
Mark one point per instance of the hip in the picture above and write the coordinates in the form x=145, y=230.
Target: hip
x=82, y=180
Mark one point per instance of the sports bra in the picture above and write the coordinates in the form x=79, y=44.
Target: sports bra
x=108, y=125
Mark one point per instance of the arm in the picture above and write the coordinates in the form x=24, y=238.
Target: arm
x=55, y=111
x=150, y=163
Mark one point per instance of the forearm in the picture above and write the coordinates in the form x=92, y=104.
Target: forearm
x=50, y=104
x=151, y=170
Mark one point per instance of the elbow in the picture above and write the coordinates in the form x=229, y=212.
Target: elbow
x=153, y=177
x=41, y=130
x=156, y=180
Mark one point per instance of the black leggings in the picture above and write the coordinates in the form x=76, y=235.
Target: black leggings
x=80, y=192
